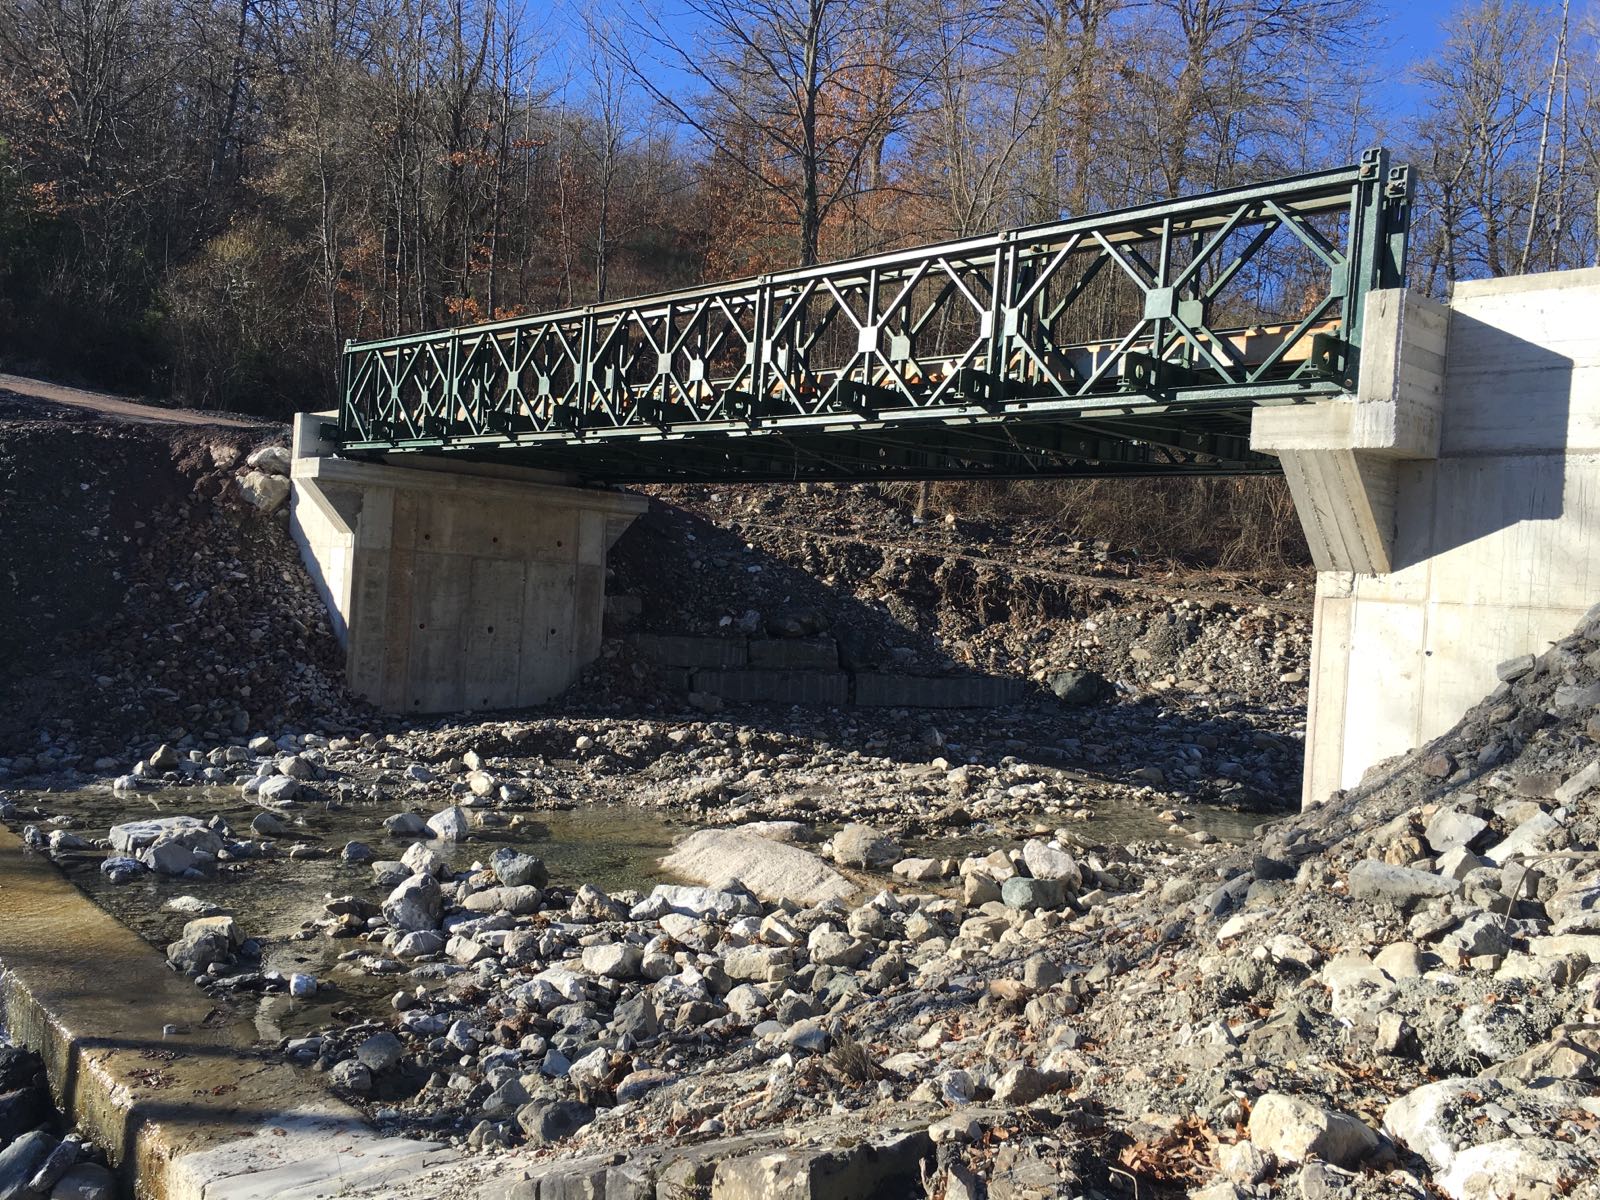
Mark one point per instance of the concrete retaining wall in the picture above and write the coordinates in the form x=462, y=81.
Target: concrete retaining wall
x=1444, y=550
x=454, y=589
x=807, y=671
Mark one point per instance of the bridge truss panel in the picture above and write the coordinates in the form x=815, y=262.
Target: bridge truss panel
x=1130, y=341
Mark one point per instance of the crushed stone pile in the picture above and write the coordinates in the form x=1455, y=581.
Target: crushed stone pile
x=1394, y=995
x=151, y=591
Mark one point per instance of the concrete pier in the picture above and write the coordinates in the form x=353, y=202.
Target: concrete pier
x=454, y=585
x=1452, y=505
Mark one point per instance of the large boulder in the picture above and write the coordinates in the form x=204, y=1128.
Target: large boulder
x=266, y=492
x=1516, y=1168
x=132, y=836
x=1048, y=862
x=772, y=870
x=858, y=845
x=515, y=869
x=1295, y=1129
x=1081, y=687
x=417, y=903
x=205, y=940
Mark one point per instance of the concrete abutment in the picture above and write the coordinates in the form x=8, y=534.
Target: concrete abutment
x=454, y=585
x=1452, y=506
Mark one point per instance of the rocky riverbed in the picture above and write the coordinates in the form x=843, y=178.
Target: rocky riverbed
x=1068, y=947
x=921, y=968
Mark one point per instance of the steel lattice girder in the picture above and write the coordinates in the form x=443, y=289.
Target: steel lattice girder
x=1012, y=354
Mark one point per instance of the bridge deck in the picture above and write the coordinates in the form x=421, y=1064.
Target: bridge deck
x=1013, y=354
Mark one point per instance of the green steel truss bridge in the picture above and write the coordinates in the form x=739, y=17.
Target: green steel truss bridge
x=1134, y=342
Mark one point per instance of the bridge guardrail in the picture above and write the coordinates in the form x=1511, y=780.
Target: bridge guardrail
x=1198, y=306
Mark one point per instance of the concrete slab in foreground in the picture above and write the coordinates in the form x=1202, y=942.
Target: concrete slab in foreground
x=193, y=1115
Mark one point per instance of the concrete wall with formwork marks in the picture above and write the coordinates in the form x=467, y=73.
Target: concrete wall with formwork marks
x=454, y=586
x=1452, y=506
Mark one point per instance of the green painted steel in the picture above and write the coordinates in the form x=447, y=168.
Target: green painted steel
x=1131, y=342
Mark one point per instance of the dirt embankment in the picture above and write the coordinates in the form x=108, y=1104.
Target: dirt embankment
x=144, y=598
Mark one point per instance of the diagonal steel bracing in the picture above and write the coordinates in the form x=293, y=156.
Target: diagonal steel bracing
x=1131, y=342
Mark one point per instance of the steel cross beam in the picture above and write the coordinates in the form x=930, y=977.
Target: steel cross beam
x=1134, y=341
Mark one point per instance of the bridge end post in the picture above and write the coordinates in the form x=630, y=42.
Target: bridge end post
x=454, y=586
x=1449, y=506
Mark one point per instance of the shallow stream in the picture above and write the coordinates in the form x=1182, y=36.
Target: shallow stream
x=614, y=847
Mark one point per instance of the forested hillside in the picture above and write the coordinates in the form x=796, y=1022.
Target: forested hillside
x=203, y=199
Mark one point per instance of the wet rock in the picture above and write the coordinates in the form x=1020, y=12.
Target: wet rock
x=55, y=1166
x=21, y=1160
x=1293, y=1129
x=205, y=941
x=419, y=943
x=451, y=824
x=134, y=836
x=267, y=825
x=352, y=1075
x=122, y=870
x=406, y=824
x=278, y=789
x=515, y=869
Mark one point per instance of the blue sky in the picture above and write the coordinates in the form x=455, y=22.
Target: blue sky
x=1409, y=32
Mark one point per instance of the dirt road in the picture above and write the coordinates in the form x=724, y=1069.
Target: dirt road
x=118, y=407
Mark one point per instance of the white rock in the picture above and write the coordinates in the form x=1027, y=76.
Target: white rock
x=1047, y=862
x=451, y=824
x=615, y=960
x=1516, y=1169
x=278, y=789
x=266, y=492
x=272, y=460
x=772, y=870
x=1293, y=1130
